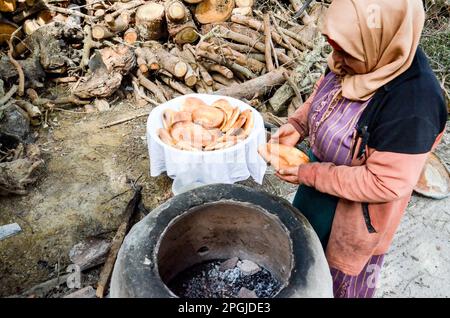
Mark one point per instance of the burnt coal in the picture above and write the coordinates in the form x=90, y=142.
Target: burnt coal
x=206, y=280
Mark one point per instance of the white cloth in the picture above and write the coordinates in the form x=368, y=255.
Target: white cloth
x=229, y=165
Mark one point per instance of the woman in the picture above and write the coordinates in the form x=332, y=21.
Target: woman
x=372, y=121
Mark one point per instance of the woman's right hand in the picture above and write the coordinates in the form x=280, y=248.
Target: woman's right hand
x=286, y=135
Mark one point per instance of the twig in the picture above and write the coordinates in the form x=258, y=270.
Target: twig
x=21, y=89
x=123, y=120
x=88, y=18
x=293, y=86
x=283, y=36
x=302, y=9
x=8, y=95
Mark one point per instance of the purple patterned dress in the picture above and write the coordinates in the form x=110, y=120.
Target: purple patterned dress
x=332, y=127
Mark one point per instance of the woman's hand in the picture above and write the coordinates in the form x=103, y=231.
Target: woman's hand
x=289, y=174
x=286, y=135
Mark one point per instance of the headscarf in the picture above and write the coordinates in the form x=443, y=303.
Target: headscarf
x=384, y=34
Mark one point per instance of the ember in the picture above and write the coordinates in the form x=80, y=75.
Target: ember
x=206, y=280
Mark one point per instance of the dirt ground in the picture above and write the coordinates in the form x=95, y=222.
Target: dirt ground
x=82, y=191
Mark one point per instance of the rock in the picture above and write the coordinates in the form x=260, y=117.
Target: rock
x=248, y=267
x=9, y=230
x=247, y=293
x=15, y=122
x=89, y=253
x=228, y=264
x=102, y=105
x=86, y=292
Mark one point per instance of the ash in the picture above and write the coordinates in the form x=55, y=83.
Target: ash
x=205, y=280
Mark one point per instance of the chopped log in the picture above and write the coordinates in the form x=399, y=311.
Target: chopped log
x=100, y=32
x=118, y=24
x=169, y=92
x=251, y=42
x=152, y=87
x=205, y=75
x=237, y=57
x=244, y=3
x=180, y=25
x=150, y=21
x=223, y=80
x=224, y=61
x=217, y=86
x=175, y=11
x=214, y=11
x=257, y=86
x=191, y=77
x=235, y=46
x=179, y=87
x=170, y=62
x=100, y=13
x=257, y=56
x=141, y=60
x=200, y=89
x=6, y=29
x=220, y=69
x=130, y=36
x=259, y=26
x=192, y=1
x=106, y=272
x=245, y=11
x=267, y=40
x=7, y=5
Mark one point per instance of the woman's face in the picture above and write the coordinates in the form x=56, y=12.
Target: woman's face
x=349, y=64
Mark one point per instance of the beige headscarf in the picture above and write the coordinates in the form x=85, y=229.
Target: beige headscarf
x=384, y=34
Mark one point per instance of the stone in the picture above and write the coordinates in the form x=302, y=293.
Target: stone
x=9, y=230
x=89, y=253
x=102, y=105
x=86, y=292
x=228, y=264
x=247, y=293
x=248, y=267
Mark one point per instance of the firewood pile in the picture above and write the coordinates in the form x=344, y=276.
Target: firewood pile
x=157, y=50
x=149, y=52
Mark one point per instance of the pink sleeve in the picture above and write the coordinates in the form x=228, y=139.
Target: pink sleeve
x=385, y=177
x=299, y=119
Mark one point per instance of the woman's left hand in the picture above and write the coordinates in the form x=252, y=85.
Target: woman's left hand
x=289, y=174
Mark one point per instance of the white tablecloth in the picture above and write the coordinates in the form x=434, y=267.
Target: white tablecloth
x=229, y=165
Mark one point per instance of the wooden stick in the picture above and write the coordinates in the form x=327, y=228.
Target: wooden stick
x=249, y=41
x=283, y=36
x=21, y=88
x=267, y=40
x=258, y=86
x=223, y=80
x=205, y=75
x=8, y=95
x=151, y=87
x=117, y=241
x=213, y=67
x=179, y=87
x=223, y=61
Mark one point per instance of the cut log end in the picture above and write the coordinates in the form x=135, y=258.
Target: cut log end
x=150, y=21
x=214, y=11
x=180, y=69
x=176, y=11
x=187, y=35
